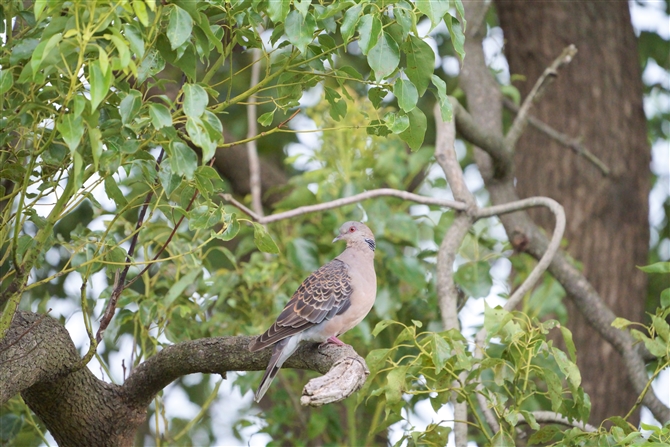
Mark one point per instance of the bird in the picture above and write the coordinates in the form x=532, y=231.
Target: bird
x=332, y=300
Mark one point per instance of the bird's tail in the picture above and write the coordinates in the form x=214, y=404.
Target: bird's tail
x=281, y=351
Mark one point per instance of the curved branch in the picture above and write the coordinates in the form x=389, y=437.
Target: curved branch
x=549, y=417
x=388, y=192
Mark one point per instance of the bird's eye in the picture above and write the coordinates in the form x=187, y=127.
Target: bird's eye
x=352, y=229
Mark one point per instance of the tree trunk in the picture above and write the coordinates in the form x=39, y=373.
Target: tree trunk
x=598, y=98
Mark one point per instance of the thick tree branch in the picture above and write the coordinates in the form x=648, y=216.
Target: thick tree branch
x=39, y=360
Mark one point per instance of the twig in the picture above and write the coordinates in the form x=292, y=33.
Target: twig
x=535, y=94
x=121, y=278
x=345, y=201
x=573, y=143
x=252, y=129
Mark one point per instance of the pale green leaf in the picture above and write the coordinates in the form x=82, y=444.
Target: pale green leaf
x=179, y=27
x=160, y=116
x=183, y=160
x=406, y=93
x=384, y=56
x=369, y=30
x=71, y=129
x=263, y=240
x=195, y=100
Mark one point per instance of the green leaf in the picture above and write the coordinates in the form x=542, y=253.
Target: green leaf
x=95, y=139
x=665, y=298
x=621, y=323
x=6, y=81
x=114, y=192
x=405, y=17
x=338, y=106
x=300, y=30
x=200, y=137
x=151, y=64
x=369, y=30
x=416, y=131
x=129, y=106
x=124, y=54
x=213, y=126
x=195, y=100
x=433, y=9
x=502, y=439
x=100, y=82
x=661, y=327
x=544, y=435
x=263, y=240
x=441, y=352
x=278, y=9
x=376, y=95
x=456, y=33
x=567, y=367
x=71, y=129
x=381, y=326
x=179, y=27
x=140, y=9
x=160, y=116
x=351, y=18
x=395, y=384
x=134, y=36
x=232, y=228
x=442, y=98
x=178, y=288
x=420, y=63
x=569, y=344
x=42, y=51
x=266, y=119
x=384, y=57
x=376, y=360
x=658, y=267
x=39, y=7
x=554, y=388
x=406, y=93
x=474, y=278
x=183, y=160
x=396, y=123
x=168, y=179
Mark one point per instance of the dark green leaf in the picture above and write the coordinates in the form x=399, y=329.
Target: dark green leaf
x=442, y=98
x=384, y=57
x=376, y=95
x=351, y=18
x=179, y=27
x=433, y=9
x=178, y=288
x=300, y=30
x=263, y=240
x=232, y=228
x=659, y=267
x=160, y=115
x=100, y=81
x=95, y=139
x=183, y=160
x=71, y=129
x=420, y=63
x=130, y=105
x=369, y=30
x=114, y=192
x=406, y=93
x=195, y=100
x=441, y=352
x=416, y=131
x=134, y=36
x=456, y=33
x=474, y=278
x=544, y=436
x=6, y=81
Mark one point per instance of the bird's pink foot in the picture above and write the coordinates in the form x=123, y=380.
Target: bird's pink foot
x=336, y=341
x=332, y=340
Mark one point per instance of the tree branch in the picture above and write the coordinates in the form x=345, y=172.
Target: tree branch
x=573, y=143
x=252, y=130
x=547, y=77
x=549, y=417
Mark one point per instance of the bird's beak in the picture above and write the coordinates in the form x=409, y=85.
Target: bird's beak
x=339, y=236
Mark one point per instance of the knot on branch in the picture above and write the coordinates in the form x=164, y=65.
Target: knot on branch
x=345, y=378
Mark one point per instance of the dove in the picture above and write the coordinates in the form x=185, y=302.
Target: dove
x=332, y=300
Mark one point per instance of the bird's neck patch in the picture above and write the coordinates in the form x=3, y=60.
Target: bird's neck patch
x=371, y=244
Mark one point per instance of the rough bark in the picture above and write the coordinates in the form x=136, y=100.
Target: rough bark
x=39, y=360
x=598, y=97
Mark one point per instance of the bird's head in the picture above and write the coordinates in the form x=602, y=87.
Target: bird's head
x=356, y=234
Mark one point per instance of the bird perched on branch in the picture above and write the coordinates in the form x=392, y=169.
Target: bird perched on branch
x=332, y=300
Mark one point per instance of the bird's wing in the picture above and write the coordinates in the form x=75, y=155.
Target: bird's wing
x=324, y=294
